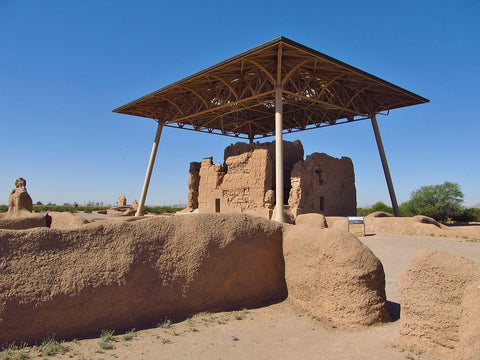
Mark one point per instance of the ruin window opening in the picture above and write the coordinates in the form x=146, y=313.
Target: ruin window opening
x=319, y=172
x=217, y=205
x=322, y=203
x=286, y=193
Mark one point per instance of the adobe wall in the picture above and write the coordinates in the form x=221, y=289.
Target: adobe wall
x=242, y=183
x=120, y=275
x=210, y=178
x=248, y=177
x=246, y=182
x=323, y=184
x=193, y=183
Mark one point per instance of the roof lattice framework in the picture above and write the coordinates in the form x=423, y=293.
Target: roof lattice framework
x=237, y=97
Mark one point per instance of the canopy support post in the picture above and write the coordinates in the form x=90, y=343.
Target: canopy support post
x=148, y=175
x=388, y=178
x=279, y=196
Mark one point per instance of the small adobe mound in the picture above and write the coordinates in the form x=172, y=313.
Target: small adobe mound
x=75, y=283
x=312, y=219
x=379, y=222
x=66, y=220
x=23, y=222
x=54, y=220
x=440, y=299
x=332, y=276
x=378, y=214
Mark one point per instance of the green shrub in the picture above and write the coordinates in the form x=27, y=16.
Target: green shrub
x=67, y=208
x=13, y=353
x=51, y=347
x=107, y=335
x=162, y=209
x=378, y=206
x=129, y=335
x=467, y=215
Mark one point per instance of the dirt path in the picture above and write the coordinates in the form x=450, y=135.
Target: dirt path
x=395, y=252
x=277, y=331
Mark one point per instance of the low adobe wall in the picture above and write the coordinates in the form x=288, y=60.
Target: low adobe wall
x=440, y=299
x=77, y=282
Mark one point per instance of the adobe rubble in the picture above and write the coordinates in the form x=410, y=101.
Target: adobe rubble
x=19, y=202
x=122, y=208
x=19, y=215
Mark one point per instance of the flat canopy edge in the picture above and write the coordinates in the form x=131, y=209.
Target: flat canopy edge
x=278, y=40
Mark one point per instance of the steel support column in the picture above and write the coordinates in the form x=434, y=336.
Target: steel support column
x=279, y=196
x=148, y=175
x=388, y=178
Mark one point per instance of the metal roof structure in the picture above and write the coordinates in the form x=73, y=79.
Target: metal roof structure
x=237, y=96
x=278, y=87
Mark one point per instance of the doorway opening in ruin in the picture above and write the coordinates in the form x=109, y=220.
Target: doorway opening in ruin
x=286, y=189
x=322, y=203
x=217, y=205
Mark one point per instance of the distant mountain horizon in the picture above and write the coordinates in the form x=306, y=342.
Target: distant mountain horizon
x=476, y=206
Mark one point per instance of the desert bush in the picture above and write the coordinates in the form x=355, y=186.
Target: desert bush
x=162, y=209
x=378, y=206
x=107, y=335
x=467, y=215
x=14, y=353
x=165, y=324
x=106, y=338
x=51, y=347
x=67, y=208
x=129, y=335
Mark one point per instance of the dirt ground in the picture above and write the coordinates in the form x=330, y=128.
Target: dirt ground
x=277, y=331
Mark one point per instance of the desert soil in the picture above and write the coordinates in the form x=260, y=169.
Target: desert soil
x=278, y=331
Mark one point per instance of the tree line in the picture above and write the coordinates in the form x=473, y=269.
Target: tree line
x=443, y=202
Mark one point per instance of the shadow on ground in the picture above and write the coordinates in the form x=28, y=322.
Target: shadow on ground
x=394, y=310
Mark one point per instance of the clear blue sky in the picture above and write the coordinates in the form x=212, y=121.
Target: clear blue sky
x=64, y=65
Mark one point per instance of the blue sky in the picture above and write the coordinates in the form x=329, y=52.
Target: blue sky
x=64, y=65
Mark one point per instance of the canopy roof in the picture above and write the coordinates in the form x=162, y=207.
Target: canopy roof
x=237, y=96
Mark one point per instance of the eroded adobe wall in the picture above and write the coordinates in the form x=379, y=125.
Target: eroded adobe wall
x=320, y=184
x=120, y=275
x=323, y=184
x=292, y=153
x=248, y=178
x=242, y=184
x=193, y=183
x=211, y=176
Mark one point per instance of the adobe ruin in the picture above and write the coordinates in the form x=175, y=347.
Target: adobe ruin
x=19, y=202
x=245, y=182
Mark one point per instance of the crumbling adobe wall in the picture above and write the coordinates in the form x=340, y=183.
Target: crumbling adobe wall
x=117, y=276
x=248, y=178
x=193, y=183
x=211, y=176
x=244, y=180
x=440, y=295
x=323, y=184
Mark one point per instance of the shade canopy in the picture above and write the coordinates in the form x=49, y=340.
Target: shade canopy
x=237, y=97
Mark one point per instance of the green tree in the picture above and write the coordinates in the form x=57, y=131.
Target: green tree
x=441, y=202
x=378, y=206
